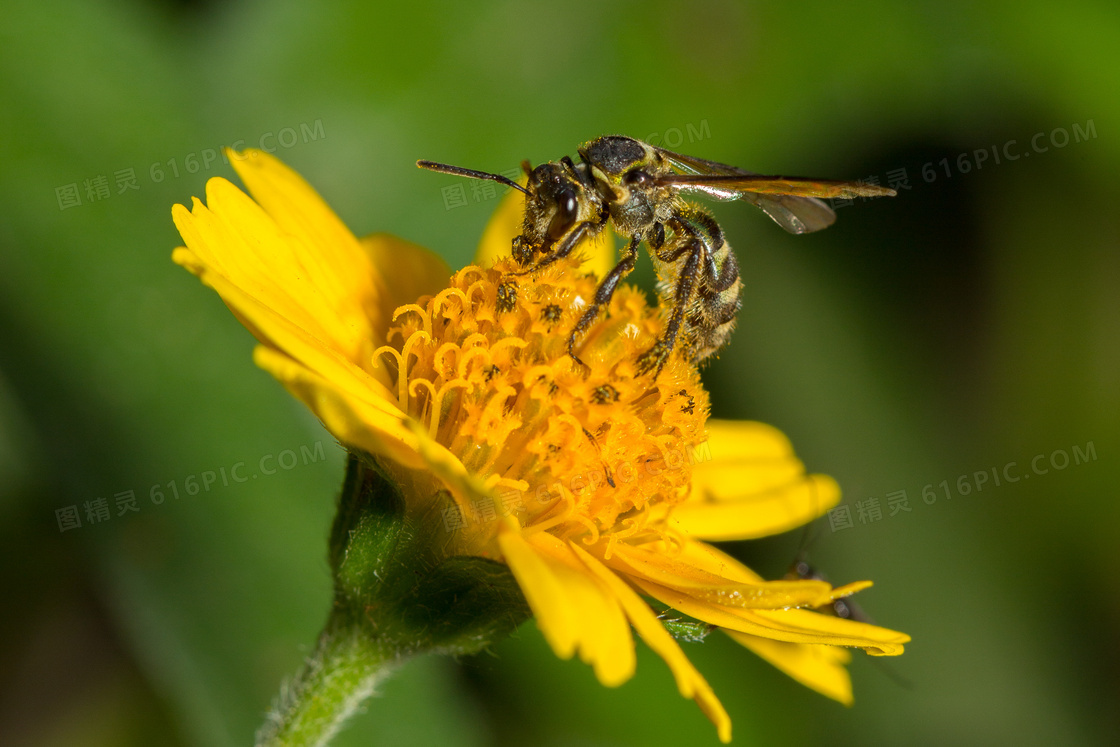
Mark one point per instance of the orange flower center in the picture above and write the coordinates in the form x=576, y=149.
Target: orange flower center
x=597, y=453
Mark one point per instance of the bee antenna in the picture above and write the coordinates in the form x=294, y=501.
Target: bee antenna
x=808, y=534
x=891, y=674
x=443, y=168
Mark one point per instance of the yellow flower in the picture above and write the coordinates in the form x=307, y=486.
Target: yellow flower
x=595, y=488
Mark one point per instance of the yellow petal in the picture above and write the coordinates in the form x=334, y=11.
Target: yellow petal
x=795, y=626
x=716, y=562
x=415, y=270
x=758, y=515
x=677, y=573
x=705, y=557
x=372, y=424
x=279, y=330
x=289, y=244
x=689, y=681
x=737, y=440
x=873, y=639
x=752, y=487
x=508, y=221
x=820, y=668
x=357, y=419
x=467, y=487
x=736, y=445
x=848, y=589
x=574, y=610
x=330, y=249
x=236, y=240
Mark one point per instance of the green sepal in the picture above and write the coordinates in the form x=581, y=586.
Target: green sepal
x=367, y=528
x=464, y=604
x=393, y=583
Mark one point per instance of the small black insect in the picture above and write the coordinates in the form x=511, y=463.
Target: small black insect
x=637, y=187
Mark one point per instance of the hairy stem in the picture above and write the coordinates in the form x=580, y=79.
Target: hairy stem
x=338, y=677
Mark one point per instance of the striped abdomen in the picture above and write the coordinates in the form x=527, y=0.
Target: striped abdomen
x=711, y=312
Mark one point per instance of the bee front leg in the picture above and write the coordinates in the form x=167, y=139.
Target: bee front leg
x=571, y=240
x=603, y=294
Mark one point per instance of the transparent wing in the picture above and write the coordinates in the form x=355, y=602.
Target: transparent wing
x=795, y=214
x=716, y=184
x=789, y=201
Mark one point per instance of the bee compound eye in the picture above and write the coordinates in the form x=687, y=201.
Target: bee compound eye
x=567, y=207
x=568, y=204
x=637, y=178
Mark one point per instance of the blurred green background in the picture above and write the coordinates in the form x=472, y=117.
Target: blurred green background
x=968, y=324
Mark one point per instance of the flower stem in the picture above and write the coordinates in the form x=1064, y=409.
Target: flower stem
x=394, y=596
x=338, y=677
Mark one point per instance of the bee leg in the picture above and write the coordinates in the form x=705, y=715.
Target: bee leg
x=656, y=357
x=603, y=294
x=565, y=248
x=728, y=273
x=571, y=241
x=720, y=276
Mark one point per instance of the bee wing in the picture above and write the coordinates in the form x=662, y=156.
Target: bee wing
x=795, y=214
x=717, y=184
x=789, y=201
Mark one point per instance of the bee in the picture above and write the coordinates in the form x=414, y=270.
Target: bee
x=843, y=607
x=636, y=187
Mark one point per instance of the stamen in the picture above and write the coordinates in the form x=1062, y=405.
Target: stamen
x=490, y=415
x=417, y=338
x=440, y=364
x=593, y=538
x=420, y=310
x=467, y=272
x=437, y=403
x=576, y=426
x=674, y=541
x=632, y=525
x=445, y=296
x=386, y=349
x=469, y=356
x=479, y=285
x=508, y=342
x=401, y=401
x=475, y=340
x=431, y=399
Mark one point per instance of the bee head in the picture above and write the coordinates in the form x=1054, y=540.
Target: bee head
x=557, y=200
